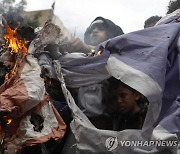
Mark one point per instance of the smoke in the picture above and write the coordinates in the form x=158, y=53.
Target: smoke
x=12, y=13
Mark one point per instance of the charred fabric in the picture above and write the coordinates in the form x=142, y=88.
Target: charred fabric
x=27, y=116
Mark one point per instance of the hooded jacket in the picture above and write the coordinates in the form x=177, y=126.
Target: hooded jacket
x=112, y=29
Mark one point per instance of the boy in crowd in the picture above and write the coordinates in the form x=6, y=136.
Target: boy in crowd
x=129, y=105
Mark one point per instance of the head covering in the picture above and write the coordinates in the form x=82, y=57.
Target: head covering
x=112, y=29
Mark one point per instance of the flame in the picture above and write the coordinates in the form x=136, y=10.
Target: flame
x=12, y=72
x=9, y=121
x=92, y=53
x=15, y=46
x=99, y=53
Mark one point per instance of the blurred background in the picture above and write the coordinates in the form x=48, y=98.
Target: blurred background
x=76, y=15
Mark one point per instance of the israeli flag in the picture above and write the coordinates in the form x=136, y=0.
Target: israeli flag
x=148, y=61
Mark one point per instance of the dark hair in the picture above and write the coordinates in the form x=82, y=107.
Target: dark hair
x=151, y=21
x=173, y=5
x=115, y=83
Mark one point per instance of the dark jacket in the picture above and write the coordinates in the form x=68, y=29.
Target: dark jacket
x=135, y=121
x=112, y=29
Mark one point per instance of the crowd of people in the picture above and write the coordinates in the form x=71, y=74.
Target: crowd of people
x=109, y=105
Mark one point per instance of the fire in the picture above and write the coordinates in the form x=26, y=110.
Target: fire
x=99, y=53
x=14, y=44
x=92, y=53
x=9, y=121
x=5, y=120
x=13, y=71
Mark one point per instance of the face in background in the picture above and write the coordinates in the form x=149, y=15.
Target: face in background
x=98, y=35
x=125, y=100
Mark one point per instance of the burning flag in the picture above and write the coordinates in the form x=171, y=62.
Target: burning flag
x=14, y=44
x=23, y=96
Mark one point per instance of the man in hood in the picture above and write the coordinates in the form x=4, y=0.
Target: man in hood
x=100, y=30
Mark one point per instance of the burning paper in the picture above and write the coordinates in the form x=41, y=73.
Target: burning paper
x=14, y=44
x=23, y=93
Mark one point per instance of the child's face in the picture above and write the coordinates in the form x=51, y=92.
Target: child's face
x=125, y=100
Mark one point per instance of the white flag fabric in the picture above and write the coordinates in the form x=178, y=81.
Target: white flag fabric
x=148, y=61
